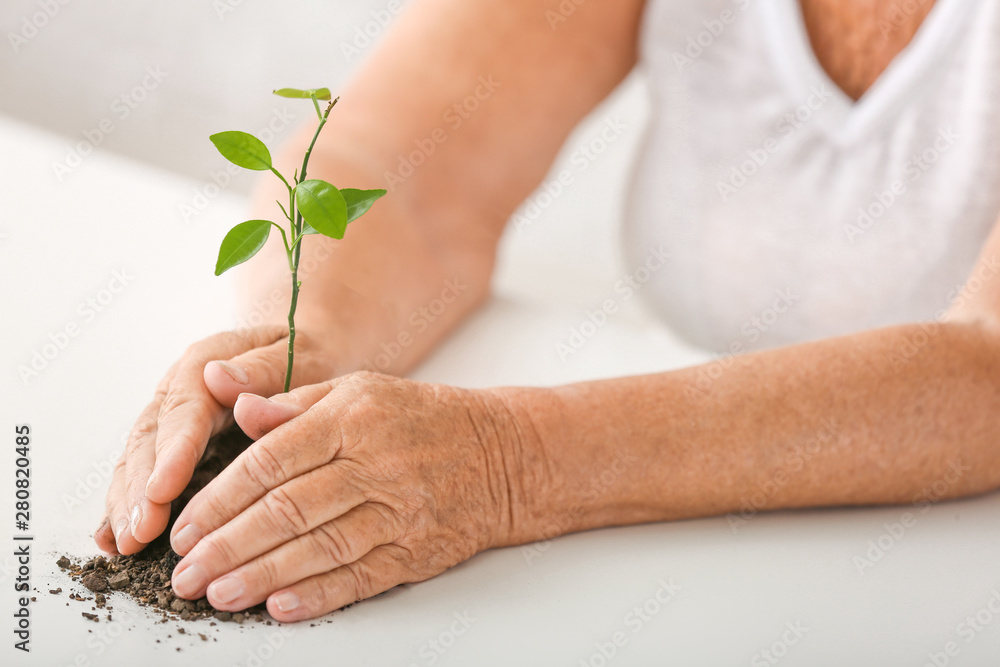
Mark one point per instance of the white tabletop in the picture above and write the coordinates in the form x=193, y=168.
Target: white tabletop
x=684, y=593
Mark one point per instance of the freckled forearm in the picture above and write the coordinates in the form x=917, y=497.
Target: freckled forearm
x=383, y=294
x=887, y=416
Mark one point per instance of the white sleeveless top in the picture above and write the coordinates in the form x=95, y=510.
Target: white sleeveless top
x=792, y=212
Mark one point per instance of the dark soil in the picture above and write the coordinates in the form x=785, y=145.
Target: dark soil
x=145, y=576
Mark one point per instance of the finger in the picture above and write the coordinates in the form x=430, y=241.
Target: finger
x=262, y=370
x=259, y=371
x=341, y=541
x=284, y=514
x=379, y=570
x=189, y=414
x=118, y=513
x=105, y=538
x=282, y=455
x=187, y=419
x=146, y=519
x=257, y=416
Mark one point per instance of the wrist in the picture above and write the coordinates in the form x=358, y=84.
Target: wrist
x=578, y=462
x=557, y=483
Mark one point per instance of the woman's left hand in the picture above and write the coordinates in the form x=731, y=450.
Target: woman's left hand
x=355, y=486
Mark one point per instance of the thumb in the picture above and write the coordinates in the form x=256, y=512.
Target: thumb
x=258, y=416
x=258, y=371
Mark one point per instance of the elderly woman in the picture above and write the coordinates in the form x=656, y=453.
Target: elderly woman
x=821, y=182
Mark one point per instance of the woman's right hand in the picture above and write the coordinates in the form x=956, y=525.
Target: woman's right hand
x=193, y=402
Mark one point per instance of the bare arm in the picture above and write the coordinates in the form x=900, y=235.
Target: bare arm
x=897, y=415
x=436, y=231
x=459, y=115
x=435, y=474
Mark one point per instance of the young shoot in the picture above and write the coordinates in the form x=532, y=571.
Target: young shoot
x=314, y=206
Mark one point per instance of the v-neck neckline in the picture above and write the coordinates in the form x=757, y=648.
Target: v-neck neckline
x=800, y=70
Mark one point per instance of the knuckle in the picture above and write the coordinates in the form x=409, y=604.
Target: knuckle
x=359, y=581
x=366, y=405
x=262, y=467
x=333, y=544
x=220, y=551
x=217, y=510
x=317, y=599
x=141, y=433
x=287, y=514
x=364, y=377
x=187, y=448
x=120, y=467
x=180, y=398
x=267, y=575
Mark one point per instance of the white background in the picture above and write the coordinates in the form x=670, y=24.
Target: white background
x=61, y=241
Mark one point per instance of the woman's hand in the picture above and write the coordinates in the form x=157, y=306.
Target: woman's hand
x=193, y=402
x=354, y=486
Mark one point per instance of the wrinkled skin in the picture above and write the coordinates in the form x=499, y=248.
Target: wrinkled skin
x=352, y=487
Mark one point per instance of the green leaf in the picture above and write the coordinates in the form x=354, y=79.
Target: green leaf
x=359, y=201
x=323, y=207
x=243, y=150
x=241, y=243
x=318, y=93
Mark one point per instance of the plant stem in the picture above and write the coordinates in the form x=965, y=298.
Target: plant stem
x=297, y=251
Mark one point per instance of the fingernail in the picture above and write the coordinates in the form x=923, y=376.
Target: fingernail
x=226, y=590
x=238, y=374
x=119, y=527
x=287, y=601
x=190, y=581
x=185, y=539
x=257, y=396
x=136, y=517
x=151, y=482
x=123, y=532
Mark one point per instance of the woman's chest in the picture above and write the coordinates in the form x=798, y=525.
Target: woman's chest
x=855, y=40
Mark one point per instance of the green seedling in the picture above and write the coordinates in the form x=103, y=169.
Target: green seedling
x=314, y=206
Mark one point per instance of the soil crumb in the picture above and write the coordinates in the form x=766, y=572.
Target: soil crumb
x=145, y=576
